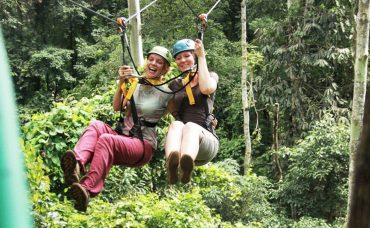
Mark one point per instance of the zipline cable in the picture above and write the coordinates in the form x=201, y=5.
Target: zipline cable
x=134, y=15
x=92, y=11
x=195, y=14
x=213, y=7
x=109, y=19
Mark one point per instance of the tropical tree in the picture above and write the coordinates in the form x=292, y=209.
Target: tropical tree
x=245, y=97
x=301, y=49
x=358, y=189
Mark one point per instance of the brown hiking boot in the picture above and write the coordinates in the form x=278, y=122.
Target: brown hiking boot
x=186, y=167
x=70, y=167
x=81, y=197
x=172, y=165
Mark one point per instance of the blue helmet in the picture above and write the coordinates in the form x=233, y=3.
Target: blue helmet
x=182, y=45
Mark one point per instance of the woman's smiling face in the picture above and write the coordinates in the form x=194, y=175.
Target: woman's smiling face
x=156, y=66
x=185, y=60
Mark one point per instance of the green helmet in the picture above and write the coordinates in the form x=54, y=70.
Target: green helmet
x=162, y=51
x=182, y=45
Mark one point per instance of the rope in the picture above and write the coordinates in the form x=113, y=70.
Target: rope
x=109, y=19
x=171, y=92
x=132, y=16
x=195, y=14
x=213, y=7
x=92, y=11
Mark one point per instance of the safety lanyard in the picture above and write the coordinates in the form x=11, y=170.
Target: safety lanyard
x=136, y=129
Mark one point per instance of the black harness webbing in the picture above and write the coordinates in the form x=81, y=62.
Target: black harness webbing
x=209, y=125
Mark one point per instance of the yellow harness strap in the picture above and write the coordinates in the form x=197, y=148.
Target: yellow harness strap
x=134, y=82
x=188, y=90
x=128, y=94
x=154, y=81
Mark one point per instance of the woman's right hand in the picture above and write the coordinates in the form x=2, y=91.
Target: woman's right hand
x=199, y=48
x=123, y=73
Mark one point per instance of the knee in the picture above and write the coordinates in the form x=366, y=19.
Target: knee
x=105, y=139
x=97, y=124
x=176, y=125
x=190, y=128
x=105, y=144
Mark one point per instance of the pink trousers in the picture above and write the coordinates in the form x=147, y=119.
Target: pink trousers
x=102, y=147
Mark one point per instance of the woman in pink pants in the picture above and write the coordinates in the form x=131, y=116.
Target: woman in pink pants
x=101, y=146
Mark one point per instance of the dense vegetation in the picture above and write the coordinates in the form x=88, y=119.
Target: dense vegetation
x=64, y=62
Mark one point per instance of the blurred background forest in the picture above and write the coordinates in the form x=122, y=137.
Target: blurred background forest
x=64, y=62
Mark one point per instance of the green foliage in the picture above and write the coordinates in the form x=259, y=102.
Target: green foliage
x=97, y=65
x=48, y=71
x=316, y=181
x=232, y=149
x=38, y=182
x=303, y=50
x=313, y=222
x=123, y=180
x=182, y=210
x=136, y=210
x=228, y=102
x=42, y=200
x=234, y=197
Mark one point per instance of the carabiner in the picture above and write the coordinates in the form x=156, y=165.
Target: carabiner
x=122, y=24
x=203, y=24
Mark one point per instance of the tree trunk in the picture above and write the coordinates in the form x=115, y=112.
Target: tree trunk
x=289, y=3
x=275, y=156
x=358, y=209
x=136, y=46
x=245, y=98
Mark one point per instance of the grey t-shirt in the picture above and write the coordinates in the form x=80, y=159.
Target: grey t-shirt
x=151, y=105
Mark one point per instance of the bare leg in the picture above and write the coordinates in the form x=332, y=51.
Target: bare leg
x=174, y=137
x=190, y=140
x=189, y=150
x=172, y=148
